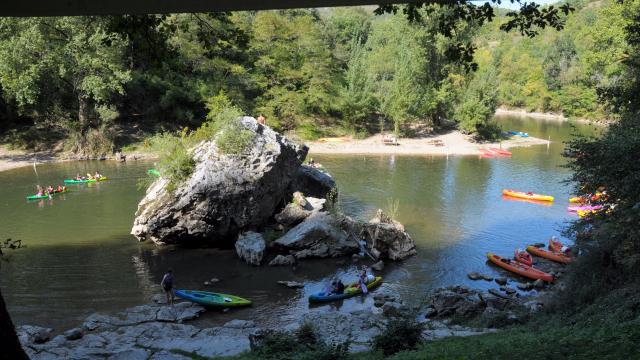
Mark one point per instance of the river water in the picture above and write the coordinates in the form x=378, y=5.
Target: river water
x=80, y=258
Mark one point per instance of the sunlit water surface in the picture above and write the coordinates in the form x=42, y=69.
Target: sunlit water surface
x=80, y=258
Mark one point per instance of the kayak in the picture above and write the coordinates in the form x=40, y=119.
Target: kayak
x=550, y=255
x=577, y=200
x=35, y=197
x=520, y=269
x=529, y=195
x=153, y=172
x=518, y=133
x=349, y=291
x=74, y=181
x=537, y=202
x=212, y=299
x=486, y=153
x=584, y=208
x=501, y=152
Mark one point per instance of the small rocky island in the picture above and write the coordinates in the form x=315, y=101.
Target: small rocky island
x=243, y=200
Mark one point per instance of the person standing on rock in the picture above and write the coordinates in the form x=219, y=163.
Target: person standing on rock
x=167, y=285
x=262, y=120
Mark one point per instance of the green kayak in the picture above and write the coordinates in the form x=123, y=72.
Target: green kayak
x=153, y=172
x=74, y=181
x=212, y=299
x=36, y=197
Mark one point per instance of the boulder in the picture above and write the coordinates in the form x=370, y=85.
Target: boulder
x=501, y=281
x=282, y=260
x=34, y=334
x=455, y=300
x=525, y=286
x=294, y=213
x=538, y=284
x=250, y=247
x=379, y=266
x=391, y=309
x=299, y=199
x=318, y=237
x=474, y=276
x=73, y=334
x=386, y=238
x=312, y=182
x=291, y=284
x=225, y=194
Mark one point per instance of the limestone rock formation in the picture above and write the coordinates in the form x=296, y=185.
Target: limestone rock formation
x=226, y=194
x=250, y=247
x=386, y=238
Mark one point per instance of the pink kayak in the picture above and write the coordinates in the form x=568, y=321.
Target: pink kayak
x=584, y=208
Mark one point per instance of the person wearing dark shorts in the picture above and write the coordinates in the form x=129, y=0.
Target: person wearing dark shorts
x=167, y=286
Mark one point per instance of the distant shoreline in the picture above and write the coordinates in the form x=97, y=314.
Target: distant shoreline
x=549, y=116
x=453, y=143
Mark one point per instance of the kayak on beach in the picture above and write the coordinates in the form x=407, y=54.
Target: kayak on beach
x=74, y=181
x=520, y=269
x=501, y=152
x=484, y=153
x=45, y=196
x=549, y=255
x=518, y=133
x=584, y=208
x=527, y=195
x=207, y=298
x=349, y=291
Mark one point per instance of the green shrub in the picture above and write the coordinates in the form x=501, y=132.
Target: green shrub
x=308, y=132
x=399, y=335
x=301, y=345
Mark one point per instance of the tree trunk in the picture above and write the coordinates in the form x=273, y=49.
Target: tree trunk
x=83, y=112
x=9, y=343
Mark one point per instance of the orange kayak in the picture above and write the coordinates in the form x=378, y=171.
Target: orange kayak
x=550, y=255
x=501, y=152
x=527, y=195
x=520, y=269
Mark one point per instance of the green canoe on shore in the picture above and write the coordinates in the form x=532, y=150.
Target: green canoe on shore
x=36, y=197
x=74, y=181
x=212, y=299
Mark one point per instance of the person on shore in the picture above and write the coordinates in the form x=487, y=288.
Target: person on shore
x=167, y=285
x=262, y=120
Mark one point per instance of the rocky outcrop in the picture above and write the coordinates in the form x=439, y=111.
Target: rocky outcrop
x=297, y=211
x=282, y=260
x=225, y=194
x=319, y=237
x=387, y=239
x=250, y=247
x=315, y=183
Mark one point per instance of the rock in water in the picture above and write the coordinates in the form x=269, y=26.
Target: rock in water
x=312, y=182
x=386, y=238
x=250, y=247
x=282, y=260
x=318, y=237
x=225, y=194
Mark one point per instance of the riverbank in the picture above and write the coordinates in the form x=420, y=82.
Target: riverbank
x=451, y=143
x=13, y=158
x=548, y=116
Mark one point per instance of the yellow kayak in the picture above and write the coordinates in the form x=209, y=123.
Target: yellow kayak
x=527, y=195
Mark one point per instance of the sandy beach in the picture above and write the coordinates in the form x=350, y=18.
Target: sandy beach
x=452, y=143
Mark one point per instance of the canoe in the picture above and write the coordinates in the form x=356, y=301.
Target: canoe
x=36, y=197
x=584, y=208
x=74, y=181
x=207, y=298
x=153, y=172
x=349, y=291
x=501, y=152
x=519, y=133
x=550, y=255
x=520, y=269
x=524, y=195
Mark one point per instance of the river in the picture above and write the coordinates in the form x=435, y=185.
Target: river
x=80, y=258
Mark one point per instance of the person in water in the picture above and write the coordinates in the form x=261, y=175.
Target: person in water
x=167, y=285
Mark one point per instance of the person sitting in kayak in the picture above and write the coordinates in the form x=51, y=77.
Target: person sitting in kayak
x=167, y=285
x=364, y=278
x=59, y=189
x=97, y=176
x=78, y=177
x=89, y=176
x=523, y=257
x=50, y=189
x=337, y=287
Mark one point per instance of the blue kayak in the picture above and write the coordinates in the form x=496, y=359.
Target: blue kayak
x=350, y=291
x=207, y=298
x=519, y=133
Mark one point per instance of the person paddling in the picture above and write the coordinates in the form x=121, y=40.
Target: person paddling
x=167, y=285
x=40, y=190
x=363, y=279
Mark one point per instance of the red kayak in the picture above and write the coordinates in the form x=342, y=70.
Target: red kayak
x=520, y=269
x=550, y=255
x=501, y=152
x=484, y=153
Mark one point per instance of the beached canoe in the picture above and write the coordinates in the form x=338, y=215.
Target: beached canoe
x=584, y=208
x=207, y=298
x=74, y=181
x=349, y=291
x=527, y=195
x=36, y=197
x=153, y=172
x=520, y=269
x=519, y=133
x=501, y=152
x=550, y=255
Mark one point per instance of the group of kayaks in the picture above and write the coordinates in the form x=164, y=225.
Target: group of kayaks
x=47, y=194
x=213, y=299
x=522, y=263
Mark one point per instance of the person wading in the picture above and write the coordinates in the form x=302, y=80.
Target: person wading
x=167, y=286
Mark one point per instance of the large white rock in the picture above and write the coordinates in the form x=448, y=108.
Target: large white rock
x=250, y=247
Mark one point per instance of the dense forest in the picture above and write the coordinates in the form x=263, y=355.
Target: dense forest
x=102, y=82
